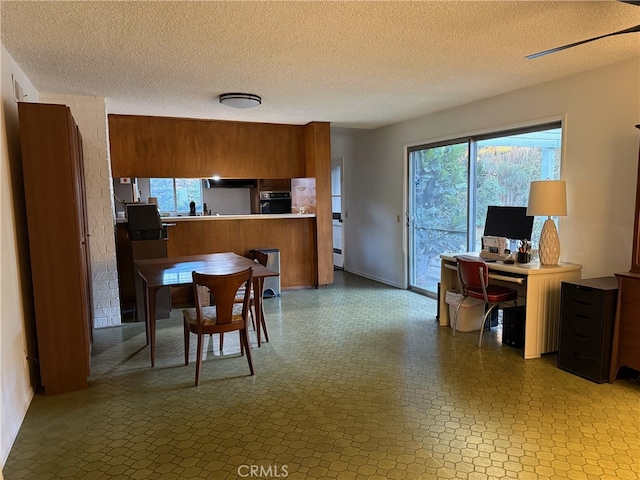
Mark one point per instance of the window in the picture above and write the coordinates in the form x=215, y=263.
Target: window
x=175, y=194
x=505, y=167
x=451, y=184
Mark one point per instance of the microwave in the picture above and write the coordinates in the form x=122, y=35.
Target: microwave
x=275, y=202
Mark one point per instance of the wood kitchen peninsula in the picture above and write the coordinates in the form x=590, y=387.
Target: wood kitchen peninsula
x=163, y=147
x=293, y=235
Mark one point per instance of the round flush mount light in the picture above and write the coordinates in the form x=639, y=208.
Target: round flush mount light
x=240, y=100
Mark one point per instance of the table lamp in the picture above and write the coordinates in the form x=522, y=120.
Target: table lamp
x=548, y=197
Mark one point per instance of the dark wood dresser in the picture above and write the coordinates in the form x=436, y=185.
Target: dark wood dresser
x=587, y=314
x=626, y=335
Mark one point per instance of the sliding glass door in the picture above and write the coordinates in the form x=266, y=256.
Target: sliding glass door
x=437, y=217
x=452, y=184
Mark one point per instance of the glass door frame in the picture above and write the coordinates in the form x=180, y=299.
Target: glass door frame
x=409, y=240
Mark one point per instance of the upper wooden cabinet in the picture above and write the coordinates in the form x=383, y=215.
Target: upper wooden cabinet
x=160, y=147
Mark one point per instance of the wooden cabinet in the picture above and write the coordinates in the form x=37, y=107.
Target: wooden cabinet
x=587, y=313
x=153, y=147
x=126, y=274
x=53, y=174
x=626, y=335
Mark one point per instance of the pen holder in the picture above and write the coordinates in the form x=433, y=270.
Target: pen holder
x=523, y=257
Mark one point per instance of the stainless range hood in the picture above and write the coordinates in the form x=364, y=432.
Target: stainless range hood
x=229, y=183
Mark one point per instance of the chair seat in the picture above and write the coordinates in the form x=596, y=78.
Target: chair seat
x=209, y=315
x=240, y=295
x=495, y=293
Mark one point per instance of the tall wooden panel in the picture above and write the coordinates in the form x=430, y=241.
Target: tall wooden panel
x=58, y=244
x=635, y=257
x=318, y=165
x=626, y=333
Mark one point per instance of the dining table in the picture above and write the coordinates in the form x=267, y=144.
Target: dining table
x=159, y=273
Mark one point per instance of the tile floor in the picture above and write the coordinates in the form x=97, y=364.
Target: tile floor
x=357, y=382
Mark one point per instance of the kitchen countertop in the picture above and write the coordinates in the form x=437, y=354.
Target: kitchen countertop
x=254, y=216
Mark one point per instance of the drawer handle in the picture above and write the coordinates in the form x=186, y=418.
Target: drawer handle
x=582, y=357
x=581, y=335
x=581, y=316
x=582, y=302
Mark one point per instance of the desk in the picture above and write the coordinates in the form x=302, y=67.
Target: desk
x=175, y=271
x=538, y=288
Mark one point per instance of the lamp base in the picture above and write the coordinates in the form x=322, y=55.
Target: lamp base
x=549, y=247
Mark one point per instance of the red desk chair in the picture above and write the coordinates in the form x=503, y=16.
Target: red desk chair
x=473, y=279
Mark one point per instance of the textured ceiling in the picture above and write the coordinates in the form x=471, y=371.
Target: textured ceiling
x=354, y=64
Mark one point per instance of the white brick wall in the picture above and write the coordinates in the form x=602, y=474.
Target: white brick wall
x=91, y=116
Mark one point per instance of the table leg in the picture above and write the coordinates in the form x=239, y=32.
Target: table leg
x=258, y=283
x=150, y=307
x=145, y=305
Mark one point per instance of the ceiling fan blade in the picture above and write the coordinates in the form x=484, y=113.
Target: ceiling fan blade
x=564, y=47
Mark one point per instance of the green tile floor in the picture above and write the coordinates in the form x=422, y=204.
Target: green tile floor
x=357, y=382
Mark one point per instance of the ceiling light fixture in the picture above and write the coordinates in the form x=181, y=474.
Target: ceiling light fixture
x=240, y=100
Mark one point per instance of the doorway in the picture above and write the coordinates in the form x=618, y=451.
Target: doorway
x=438, y=193
x=337, y=209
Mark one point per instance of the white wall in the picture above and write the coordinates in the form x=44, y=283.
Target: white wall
x=600, y=159
x=16, y=311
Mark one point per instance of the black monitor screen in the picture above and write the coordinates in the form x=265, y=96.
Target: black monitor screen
x=510, y=222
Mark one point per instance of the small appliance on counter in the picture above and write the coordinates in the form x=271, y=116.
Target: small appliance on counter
x=144, y=222
x=275, y=202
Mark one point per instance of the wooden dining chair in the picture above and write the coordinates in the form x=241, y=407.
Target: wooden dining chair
x=225, y=315
x=473, y=280
x=262, y=258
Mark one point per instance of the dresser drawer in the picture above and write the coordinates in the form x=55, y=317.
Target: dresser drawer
x=587, y=347
x=585, y=366
x=581, y=326
x=584, y=300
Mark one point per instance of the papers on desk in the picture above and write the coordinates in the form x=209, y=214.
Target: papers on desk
x=494, y=248
x=494, y=256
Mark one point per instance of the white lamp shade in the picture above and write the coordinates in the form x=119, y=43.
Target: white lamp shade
x=548, y=198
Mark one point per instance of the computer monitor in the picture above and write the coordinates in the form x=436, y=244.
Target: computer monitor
x=510, y=222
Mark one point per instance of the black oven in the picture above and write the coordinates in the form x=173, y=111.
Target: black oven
x=275, y=202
